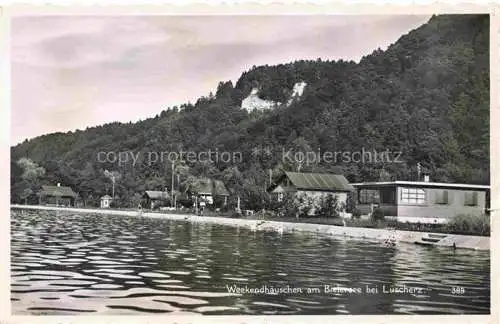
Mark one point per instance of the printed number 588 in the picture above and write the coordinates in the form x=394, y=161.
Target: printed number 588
x=458, y=290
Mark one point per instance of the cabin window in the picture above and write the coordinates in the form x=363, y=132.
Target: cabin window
x=414, y=196
x=442, y=197
x=470, y=198
x=388, y=196
x=369, y=196
x=280, y=196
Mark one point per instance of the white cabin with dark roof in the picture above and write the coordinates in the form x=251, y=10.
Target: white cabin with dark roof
x=312, y=185
x=421, y=201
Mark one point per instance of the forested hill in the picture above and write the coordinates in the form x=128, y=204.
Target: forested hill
x=427, y=96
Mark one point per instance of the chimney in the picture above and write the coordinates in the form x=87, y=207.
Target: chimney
x=58, y=184
x=426, y=178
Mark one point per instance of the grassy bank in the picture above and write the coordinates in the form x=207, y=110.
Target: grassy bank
x=329, y=228
x=462, y=224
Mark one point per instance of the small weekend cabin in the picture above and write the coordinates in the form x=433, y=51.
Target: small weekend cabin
x=421, y=201
x=207, y=189
x=313, y=185
x=56, y=196
x=152, y=199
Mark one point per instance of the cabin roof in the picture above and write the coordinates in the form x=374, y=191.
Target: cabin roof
x=315, y=181
x=160, y=195
x=106, y=197
x=205, y=186
x=59, y=191
x=422, y=184
x=220, y=188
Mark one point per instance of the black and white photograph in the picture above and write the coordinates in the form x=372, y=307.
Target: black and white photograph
x=250, y=164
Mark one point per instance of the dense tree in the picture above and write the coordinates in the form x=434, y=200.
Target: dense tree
x=426, y=98
x=30, y=176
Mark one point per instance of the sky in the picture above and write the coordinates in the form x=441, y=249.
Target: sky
x=72, y=72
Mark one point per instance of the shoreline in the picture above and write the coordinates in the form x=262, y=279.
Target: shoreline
x=460, y=241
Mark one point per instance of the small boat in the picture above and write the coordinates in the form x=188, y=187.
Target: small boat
x=430, y=239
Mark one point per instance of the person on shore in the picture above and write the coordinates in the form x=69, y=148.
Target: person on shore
x=139, y=208
x=202, y=207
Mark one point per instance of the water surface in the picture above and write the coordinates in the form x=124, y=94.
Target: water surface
x=66, y=263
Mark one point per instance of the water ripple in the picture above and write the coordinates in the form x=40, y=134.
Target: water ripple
x=64, y=263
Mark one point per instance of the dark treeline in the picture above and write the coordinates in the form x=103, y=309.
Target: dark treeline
x=426, y=96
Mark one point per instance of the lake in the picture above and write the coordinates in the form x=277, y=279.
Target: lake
x=66, y=263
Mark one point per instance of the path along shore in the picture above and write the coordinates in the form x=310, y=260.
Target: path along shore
x=460, y=241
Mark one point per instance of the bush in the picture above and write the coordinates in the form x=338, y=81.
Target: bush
x=286, y=207
x=236, y=214
x=367, y=223
x=378, y=214
x=356, y=213
x=329, y=206
x=304, y=205
x=185, y=201
x=218, y=202
x=225, y=208
x=474, y=224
